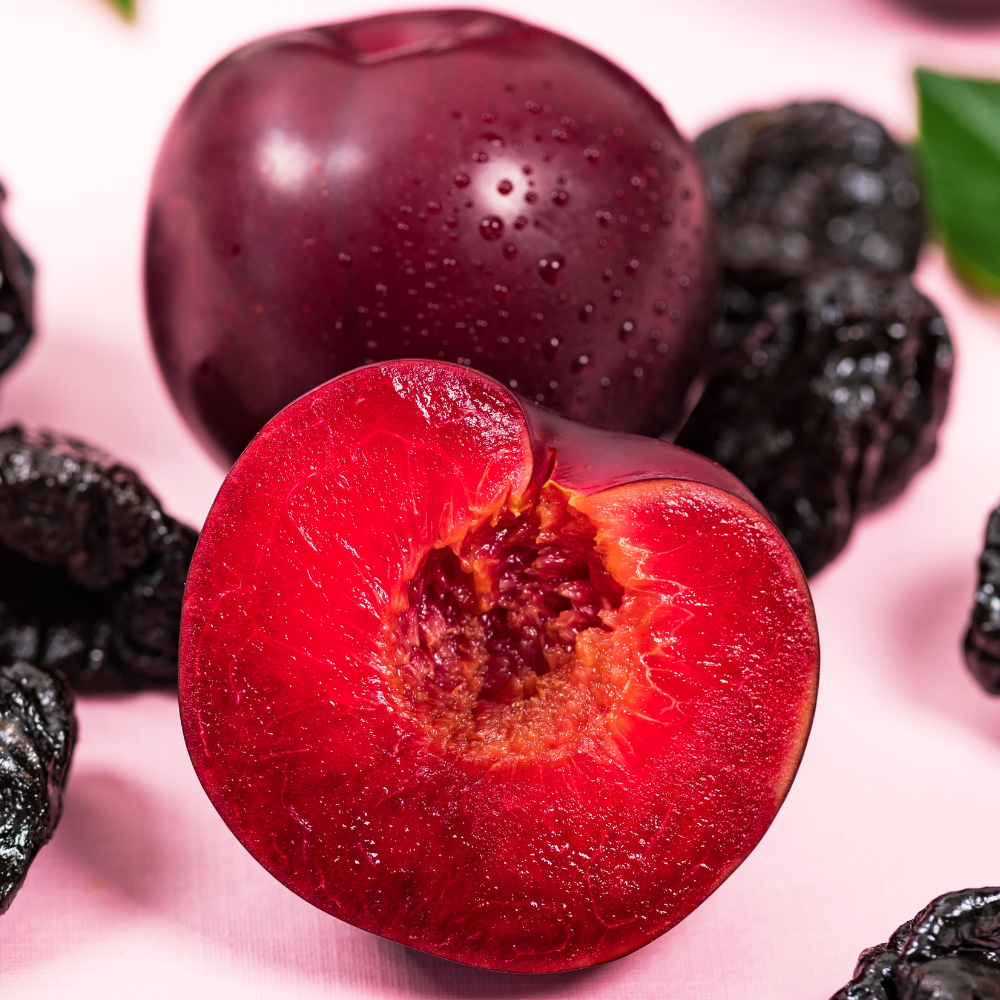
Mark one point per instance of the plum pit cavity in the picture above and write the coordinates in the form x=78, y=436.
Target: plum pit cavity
x=490, y=648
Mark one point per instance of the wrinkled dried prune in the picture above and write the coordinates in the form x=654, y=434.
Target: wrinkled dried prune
x=37, y=735
x=806, y=186
x=830, y=402
x=91, y=569
x=949, y=951
x=17, y=278
x=982, y=640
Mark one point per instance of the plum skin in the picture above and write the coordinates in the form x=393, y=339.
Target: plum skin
x=520, y=204
x=539, y=858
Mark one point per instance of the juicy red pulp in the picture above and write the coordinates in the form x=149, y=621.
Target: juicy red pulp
x=486, y=622
x=522, y=728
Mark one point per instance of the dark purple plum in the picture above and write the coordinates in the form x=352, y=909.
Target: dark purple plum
x=444, y=184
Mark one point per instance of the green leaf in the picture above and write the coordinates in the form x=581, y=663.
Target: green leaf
x=124, y=7
x=959, y=152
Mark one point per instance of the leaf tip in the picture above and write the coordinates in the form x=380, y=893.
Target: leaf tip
x=127, y=8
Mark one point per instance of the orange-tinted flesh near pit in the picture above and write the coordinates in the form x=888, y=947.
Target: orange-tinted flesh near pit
x=519, y=714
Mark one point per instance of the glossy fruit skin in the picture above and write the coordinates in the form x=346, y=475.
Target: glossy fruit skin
x=828, y=402
x=534, y=860
x=444, y=184
x=92, y=569
x=981, y=645
x=949, y=951
x=17, y=303
x=804, y=187
x=963, y=12
x=39, y=734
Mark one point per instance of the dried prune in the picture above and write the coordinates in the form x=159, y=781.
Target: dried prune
x=37, y=735
x=829, y=403
x=91, y=569
x=982, y=640
x=949, y=951
x=806, y=186
x=17, y=276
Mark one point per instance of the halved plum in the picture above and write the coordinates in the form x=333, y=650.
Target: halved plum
x=509, y=690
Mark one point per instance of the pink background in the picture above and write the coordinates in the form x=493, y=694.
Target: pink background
x=144, y=893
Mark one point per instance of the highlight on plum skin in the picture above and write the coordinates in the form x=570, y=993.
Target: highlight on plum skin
x=506, y=689
x=446, y=184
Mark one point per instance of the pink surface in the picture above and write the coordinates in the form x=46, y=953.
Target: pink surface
x=143, y=892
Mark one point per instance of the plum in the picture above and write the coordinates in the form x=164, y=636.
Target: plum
x=504, y=688
x=443, y=184
x=969, y=12
x=17, y=286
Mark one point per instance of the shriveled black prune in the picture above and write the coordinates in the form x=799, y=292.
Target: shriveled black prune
x=91, y=569
x=37, y=735
x=17, y=276
x=949, y=951
x=806, y=186
x=982, y=640
x=830, y=402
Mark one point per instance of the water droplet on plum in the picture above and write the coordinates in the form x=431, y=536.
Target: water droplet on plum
x=552, y=267
x=461, y=180
x=509, y=251
x=560, y=198
x=505, y=186
x=491, y=227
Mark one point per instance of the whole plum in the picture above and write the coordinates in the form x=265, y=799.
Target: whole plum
x=442, y=184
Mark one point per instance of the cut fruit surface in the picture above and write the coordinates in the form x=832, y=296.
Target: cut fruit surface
x=457, y=686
